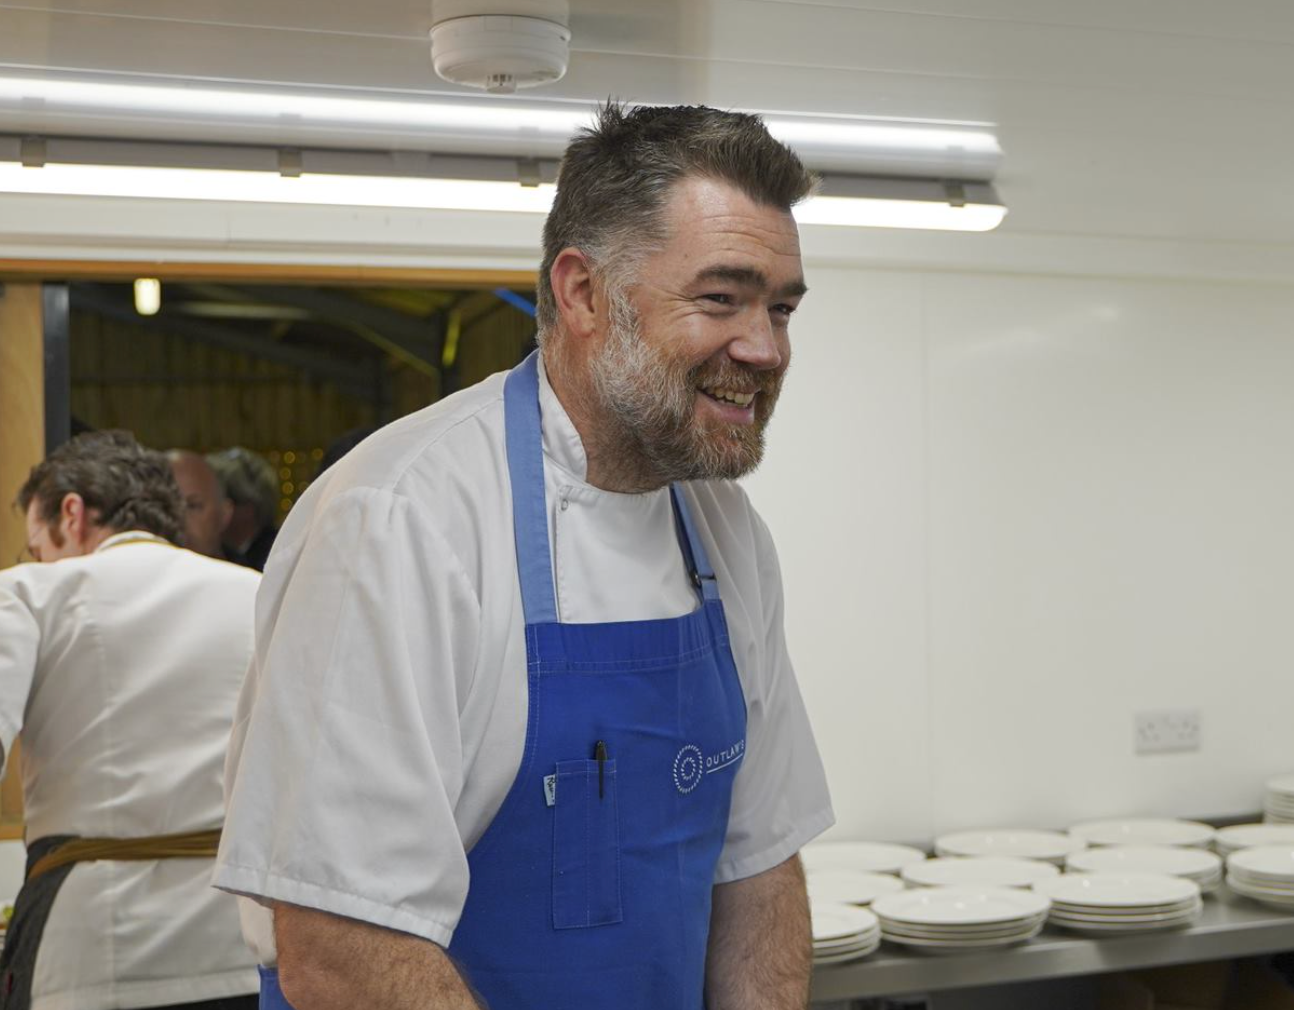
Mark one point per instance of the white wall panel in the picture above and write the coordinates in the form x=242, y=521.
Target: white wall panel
x=843, y=491
x=1111, y=530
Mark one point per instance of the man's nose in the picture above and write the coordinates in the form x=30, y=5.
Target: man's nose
x=759, y=344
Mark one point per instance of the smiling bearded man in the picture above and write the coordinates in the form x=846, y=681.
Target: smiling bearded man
x=649, y=403
x=522, y=720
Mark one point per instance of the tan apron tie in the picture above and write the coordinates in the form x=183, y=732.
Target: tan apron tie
x=191, y=845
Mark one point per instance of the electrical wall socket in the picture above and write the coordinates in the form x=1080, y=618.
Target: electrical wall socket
x=1167, y=730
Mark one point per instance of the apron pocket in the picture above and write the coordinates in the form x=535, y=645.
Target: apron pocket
x=586, y=846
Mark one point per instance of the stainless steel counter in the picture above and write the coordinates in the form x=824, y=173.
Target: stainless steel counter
x=1231, y=926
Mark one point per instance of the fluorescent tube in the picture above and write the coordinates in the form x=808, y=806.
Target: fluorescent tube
x=440, y=194
x=267, y=187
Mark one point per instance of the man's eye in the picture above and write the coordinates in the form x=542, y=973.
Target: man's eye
x=718, y=299
x=784, y=310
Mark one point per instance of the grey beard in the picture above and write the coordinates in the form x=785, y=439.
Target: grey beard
x=650, y=437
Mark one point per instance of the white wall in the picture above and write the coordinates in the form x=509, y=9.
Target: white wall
x=1012, y=510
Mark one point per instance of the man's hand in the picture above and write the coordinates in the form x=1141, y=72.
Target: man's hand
x=761, y=947
x=327, y=962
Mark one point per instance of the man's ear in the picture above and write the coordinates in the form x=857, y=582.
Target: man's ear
x=72, y=517
x=571, y=278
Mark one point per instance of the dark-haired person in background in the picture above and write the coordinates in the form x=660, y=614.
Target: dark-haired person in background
x=252, y=485
x=120, y=660
x=522, y=721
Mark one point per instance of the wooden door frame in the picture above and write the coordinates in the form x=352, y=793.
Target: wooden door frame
x=280, y=273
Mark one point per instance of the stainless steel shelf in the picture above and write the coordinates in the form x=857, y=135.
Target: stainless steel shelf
x=1231, y=926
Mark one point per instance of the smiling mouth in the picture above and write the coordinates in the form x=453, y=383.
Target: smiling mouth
x=730, y=396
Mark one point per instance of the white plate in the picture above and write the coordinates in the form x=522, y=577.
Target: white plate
x=851, y=887
x=890, y=927
x=871, y=857
x=1118, y=927
x=831, y=949
x=969, y=944
x=1274, y=861
x=1251, y=836
x=1194, y=864
x=1275, y=890
x=1124, y=912
x=989, y=871
x=1282, y=785
x=853, y=955
x=1189, y=912
x=961, y=906
x=1118, y=890
x=1261, y=894
x=1016, y=843
x=1143, y=831
x=833, y=922
x=1261, y=879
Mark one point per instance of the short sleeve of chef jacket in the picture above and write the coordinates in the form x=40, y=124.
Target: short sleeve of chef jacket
x=339, y=725
x=780, y=799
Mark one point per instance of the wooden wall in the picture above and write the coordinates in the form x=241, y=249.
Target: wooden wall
x=175, y=392
x=22, y=446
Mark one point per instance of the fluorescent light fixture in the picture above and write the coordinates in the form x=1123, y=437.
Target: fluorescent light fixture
x=861, y=212
x=873, y=203
x=267, y=187
x=163, y=109
x=851, y=201
x=148, y=296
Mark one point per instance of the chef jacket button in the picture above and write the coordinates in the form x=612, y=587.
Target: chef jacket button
x=566, y=503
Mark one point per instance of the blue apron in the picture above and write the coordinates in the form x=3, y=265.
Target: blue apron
x=591, y=887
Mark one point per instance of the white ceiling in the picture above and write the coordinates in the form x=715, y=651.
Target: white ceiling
x=1149, y=119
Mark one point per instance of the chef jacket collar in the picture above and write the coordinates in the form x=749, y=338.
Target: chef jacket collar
x=130, y=537
x=562, y=443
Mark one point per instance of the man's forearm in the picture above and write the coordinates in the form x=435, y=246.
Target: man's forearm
x=761, y=949
x=330, y=963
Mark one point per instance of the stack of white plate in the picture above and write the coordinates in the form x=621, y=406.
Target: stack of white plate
x=1265, y=874
x=1121, y=902
x=1014, y=843
x=1250, y=836
x=842, y=932
x=1144, y=831
x=1174, y=861
x=872, y=857
x=1278, y=807
x=850, y=887
x=982, y=871
x=951, y=919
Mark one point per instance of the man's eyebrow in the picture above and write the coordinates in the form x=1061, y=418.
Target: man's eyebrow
x=752, y=278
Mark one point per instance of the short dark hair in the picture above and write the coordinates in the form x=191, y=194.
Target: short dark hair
x=125, y=486
x=616, y=177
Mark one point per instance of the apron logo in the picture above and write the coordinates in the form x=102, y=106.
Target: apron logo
x=687, y=769
x=691, y=765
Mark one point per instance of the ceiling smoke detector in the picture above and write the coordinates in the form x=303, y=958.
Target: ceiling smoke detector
x=500, y=45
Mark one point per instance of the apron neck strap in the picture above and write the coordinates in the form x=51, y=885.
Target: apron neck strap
x=698, y=562
x=525, y=449
x=525, y=443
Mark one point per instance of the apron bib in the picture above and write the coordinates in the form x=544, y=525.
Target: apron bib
x=591, y=887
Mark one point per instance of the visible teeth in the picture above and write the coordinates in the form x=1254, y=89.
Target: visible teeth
x=740, y=399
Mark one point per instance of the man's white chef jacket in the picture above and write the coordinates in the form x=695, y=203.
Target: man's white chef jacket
x=383, y=718
x=121, y=669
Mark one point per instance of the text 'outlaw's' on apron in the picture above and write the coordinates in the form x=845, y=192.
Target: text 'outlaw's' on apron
x=591, y=887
